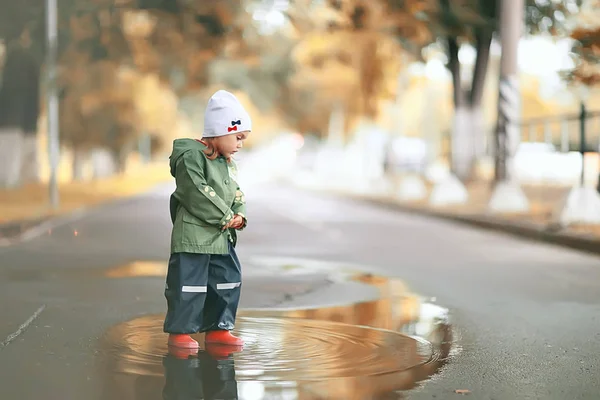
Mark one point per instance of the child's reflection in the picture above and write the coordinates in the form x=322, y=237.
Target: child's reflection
x=208, y=374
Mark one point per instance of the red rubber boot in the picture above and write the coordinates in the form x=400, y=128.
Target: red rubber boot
x=223, y=337
x=183, y=341
x=222, y=351
x=181, y=353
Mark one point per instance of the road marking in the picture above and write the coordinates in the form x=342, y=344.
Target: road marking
x=75, y=215
x=44, y=227
x=22, y=328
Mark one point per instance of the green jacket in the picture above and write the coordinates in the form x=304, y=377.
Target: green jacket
x=206, y=198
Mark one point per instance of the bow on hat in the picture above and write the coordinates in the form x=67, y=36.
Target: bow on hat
x=233, y=127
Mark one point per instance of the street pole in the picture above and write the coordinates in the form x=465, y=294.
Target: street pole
x=508, y=196
x=582, y=117
x=52, y=99
x=508, y=133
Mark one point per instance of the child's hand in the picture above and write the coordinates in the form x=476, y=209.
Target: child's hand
x=236, y=223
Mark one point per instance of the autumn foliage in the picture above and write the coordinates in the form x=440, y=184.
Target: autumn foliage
x=125, y=62
x=588, y=50
x=585, y=33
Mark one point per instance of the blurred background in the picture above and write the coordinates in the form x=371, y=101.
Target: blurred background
x=396, y=98
x=481, y=111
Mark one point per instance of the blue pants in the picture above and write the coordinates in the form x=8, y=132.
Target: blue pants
x=199, y=378
x=202, y=292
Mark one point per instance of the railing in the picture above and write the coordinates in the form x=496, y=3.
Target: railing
x=566, y=133
x=558, y=131
x=562, y=133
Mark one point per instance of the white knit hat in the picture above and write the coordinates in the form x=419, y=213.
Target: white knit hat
x=225, y=115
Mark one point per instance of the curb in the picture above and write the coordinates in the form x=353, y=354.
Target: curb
x=529, y=231
x=523, y=230
x=39, y=229
x=70, y=216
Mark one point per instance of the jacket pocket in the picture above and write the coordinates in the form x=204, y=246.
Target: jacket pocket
x=190, y=219
x=196, y=231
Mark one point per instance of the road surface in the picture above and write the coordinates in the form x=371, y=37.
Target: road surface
x=526, y=316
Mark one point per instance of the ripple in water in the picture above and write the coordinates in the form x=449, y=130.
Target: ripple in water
x=295, y=354
x=279, y=349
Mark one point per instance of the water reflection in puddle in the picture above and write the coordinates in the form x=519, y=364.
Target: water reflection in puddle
x=138, y=269
x=371, y=350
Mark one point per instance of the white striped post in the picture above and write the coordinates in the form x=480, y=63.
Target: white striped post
x=508, y=130
x=507, y=195
x=508, y=134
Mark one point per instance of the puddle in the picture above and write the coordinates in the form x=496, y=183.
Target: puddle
x=135, y=269
x=371, y=350
x=138, y=269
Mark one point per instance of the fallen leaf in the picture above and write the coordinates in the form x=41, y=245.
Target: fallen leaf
x=462, y=391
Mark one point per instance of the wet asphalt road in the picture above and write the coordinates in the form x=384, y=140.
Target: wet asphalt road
x=527, y=315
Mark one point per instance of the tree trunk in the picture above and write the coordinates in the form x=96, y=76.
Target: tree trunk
x=19, y=111
x=482, y=45
x=11, y=139
x=468, y=140
x=478, y=131
x=336, y=135
x=145, y=148
x=468, y=133
x=79, y=160
x=30, y=166
x=120, y=157
x=103, y=163
x=462, y=152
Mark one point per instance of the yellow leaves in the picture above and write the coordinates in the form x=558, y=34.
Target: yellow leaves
x=156, y=105
x=89, y=103
x=357, y=78
x=419, y=6
x=357, y=68
x=587, y=70
x=224, y=12
x=588, y=36
x=138, y=24
x=313, y=43
x=587, y=75
x=83, y=27
x=587, y=33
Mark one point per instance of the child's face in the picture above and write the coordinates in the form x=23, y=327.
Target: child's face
x=228, y=145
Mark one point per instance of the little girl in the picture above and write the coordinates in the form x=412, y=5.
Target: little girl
x=204, y=276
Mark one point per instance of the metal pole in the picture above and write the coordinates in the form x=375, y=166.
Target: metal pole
x=547, y=133
x=564, y=136
x=52, y=99
x=509, y=102
x=582, y=116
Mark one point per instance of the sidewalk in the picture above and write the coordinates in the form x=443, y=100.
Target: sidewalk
x=28, y=206
x=537, y=224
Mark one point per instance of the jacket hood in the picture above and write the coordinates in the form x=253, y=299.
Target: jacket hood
x=180, y=147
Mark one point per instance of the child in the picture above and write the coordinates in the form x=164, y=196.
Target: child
x=207, y=207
